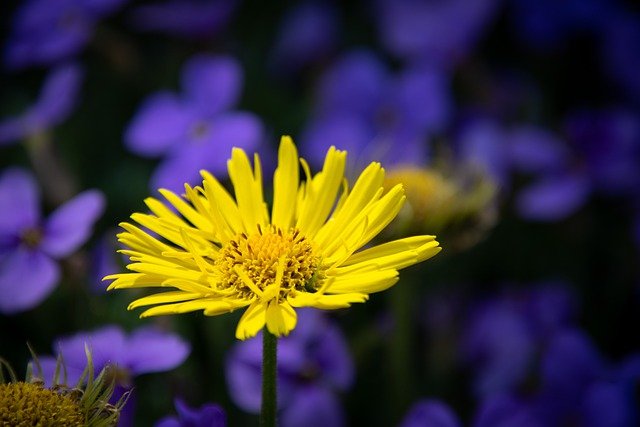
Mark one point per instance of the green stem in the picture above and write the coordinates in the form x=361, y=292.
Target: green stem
x=400, y=348
x=269, y=378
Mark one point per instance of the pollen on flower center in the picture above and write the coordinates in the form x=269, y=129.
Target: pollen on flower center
x=258, y=255
x=31, y=404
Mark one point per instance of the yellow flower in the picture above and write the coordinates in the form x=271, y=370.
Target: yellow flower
x=222, y=253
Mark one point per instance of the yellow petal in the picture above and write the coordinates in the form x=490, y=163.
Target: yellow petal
x=248, y=190
x=281, y=318
x=327, y=302
x=179, y=308
x=164, y=298
x=285, y=185
x=370, y=282
x=251, y=321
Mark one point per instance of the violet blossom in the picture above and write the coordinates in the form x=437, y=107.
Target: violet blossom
x=45, y=32
x=196, y=129
x=30, y=244
x=363, y=108
x=208, y=415
x=313, y=365
x=56, y=102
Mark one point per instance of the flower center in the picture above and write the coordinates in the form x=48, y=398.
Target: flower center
x=258, y=256
x=31, y=404
x=31, y=237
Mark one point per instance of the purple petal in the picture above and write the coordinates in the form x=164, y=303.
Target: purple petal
x=151, y=350
x=482, y=145
x=609, y=405
x=212, y=83
x=226, y=131
x=569, y=365
x=244, y=374
x=505, y=411
x=535, y=150
x=308, y=32
x=423, y=98
x=331, y=353
x=553, y=198
x=430, y=413
x=19, y=198
x=160, y=123
x=345, y=132
x=208, y=415
x=58, y=97
x=499, y=343
x=179, y=168
x=12, y=129
x=70, y=225
x=313, y=407
x=168, y=422
x=353, y=85
x=26, y=278
x=195, y=19
x=48, y=365
x=107, y=345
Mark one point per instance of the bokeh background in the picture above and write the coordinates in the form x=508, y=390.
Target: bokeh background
x=514, y=126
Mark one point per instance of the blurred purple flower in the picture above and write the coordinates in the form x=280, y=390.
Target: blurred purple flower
x=47, y=31
x=430, y=413
x=29, y=245
x=186, y=18
x=145, y=350
x=374, y=115
x=443, y=31
x=196, y=130
x=503, y=410
x=546, y=24
x=620, y=51
x=578, y=384
x=103, y=260
x=308, y=33
x=504, y=335
x=313, y=364
x=608, y=141
x=208, y=415
x=55, y=104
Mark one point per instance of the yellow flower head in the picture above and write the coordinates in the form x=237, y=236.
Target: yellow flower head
x=222, y=253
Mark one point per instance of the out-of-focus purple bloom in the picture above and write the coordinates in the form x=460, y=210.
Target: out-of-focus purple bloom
x=546, y=24
x=145, y=350
x=430, y=413
x=29, y=244
x=375, y=115
x=608, y=141
x=56, y=102
x=308, y=33
x=621, y=51
x=482, y=144
x=208, y=415
x=503, y=410
x=47, y=31
x=185, y=18
x=196, y=130
x=443, y=31
x=504, y=335
x=313, y=364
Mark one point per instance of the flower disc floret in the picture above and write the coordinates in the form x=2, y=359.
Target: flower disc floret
x=249, y=262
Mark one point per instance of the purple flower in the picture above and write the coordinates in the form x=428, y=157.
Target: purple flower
x=430, y=413
x=504, y=334
x=620, y=51
x=546, y=24
x=503, y=410
x=47, y=31
x=208, y=415
x=313, y=364
x=55, y=104
x=196, y=130
x=29, y=245
x=185, y=18
x=443, y=31
x=374, y=115
x=308, y=33
x=145, y=350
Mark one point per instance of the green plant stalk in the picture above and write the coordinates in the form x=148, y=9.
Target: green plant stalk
x=269, y=379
